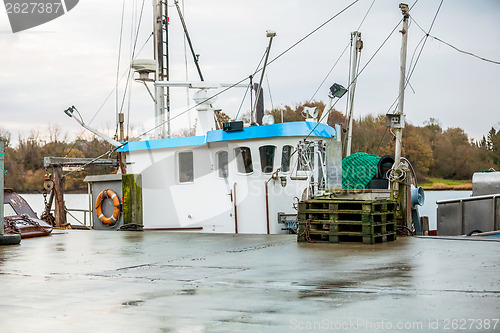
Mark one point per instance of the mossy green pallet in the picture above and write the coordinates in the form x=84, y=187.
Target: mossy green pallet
x=365, y=239
x=339, y=221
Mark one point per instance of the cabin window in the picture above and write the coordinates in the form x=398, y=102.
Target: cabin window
x=286, y=155
x=222, y=164
x=267, y=158
x=243, y=160
x=186, y=167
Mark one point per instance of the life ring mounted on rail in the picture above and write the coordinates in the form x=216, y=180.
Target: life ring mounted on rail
x=111, y=220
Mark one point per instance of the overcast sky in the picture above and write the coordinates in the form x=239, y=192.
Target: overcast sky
x=73, y=60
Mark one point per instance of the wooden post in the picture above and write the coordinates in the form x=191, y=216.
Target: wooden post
x=424, y=220
x=132, y=202
x=60, y=211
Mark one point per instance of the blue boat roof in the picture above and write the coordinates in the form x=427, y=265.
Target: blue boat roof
x=297, y=129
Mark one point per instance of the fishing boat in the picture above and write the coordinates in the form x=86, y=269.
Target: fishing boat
x=20, y=219
x=231, y=177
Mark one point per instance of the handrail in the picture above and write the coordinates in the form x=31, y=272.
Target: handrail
x=479, y=197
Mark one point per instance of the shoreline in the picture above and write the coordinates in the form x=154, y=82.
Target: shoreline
x=445, y=187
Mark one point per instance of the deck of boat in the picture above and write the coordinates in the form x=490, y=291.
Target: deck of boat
x=98, y=281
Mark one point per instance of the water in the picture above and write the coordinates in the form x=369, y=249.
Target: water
x=81, y=201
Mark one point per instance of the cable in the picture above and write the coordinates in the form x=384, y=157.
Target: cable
x=465, y=52
x=118, y=63
x=361, y=71
x=340, y=57
x=311, y=33
x=249, y=85
x=269, y=89
x=110, y=151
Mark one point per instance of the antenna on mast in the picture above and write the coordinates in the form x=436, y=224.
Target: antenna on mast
x=356, y=46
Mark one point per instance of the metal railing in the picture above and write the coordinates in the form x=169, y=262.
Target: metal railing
x=86, y=213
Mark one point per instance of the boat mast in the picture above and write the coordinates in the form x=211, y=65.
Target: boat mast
x=402, y=82
x=356, y=46
x=270, y=34
x=162, y=94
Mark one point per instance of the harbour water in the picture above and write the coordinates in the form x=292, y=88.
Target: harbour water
x=92, y=281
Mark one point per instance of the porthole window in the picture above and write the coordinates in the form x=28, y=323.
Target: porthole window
x=267, y=158
x=186, y=167
x=243, y=160
x=222, y=164
x=286, y=155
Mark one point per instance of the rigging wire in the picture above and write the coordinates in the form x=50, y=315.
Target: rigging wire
x=109, y=152
x=119, y=80
x=269, y=89
x=348, y=116
x=465, y=52
x=118, y=63
x=130, y=74
x=249, y=84
x=341, y=55
x=364, y=67
x=311, y=33
x=325, y=114
x=454, y=47
x=412, y=69
x=407, y=79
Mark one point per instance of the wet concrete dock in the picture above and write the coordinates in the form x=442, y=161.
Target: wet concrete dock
x=91, y=281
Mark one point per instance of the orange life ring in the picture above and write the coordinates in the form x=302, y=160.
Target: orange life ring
x=98, y=207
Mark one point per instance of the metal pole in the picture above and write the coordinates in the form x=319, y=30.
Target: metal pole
x=402, y=82
x=356, y=45
x=59, y=209
x=162, y=70
x=167, y=73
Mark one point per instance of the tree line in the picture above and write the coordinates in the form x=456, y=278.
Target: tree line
x=24, y=166
x=433, y=151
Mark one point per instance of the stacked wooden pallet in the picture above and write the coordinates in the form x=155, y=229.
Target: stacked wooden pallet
x=339, y=221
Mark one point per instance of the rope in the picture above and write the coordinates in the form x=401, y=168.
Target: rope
x=306, y=234
x=325, y=114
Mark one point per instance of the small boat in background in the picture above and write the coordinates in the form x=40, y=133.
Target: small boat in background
x=19, y=218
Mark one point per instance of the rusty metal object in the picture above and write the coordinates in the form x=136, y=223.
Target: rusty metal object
x=25, y=222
